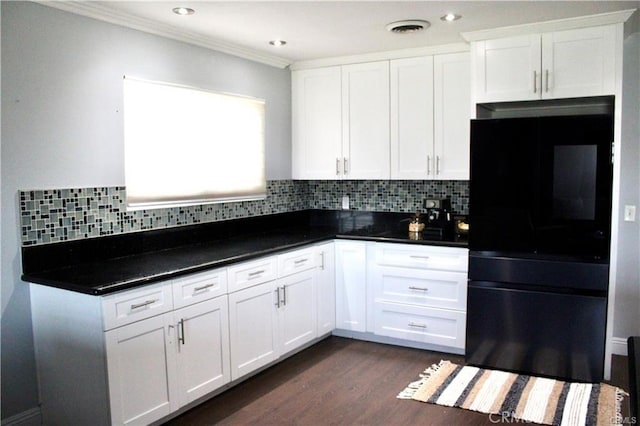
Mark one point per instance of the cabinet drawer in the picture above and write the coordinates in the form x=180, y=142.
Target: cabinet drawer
x=440, y=289
x=426, y=325
x=134, y=305
x=296, y=261
x=198, y=287
x=248, y=274
x=425, y=257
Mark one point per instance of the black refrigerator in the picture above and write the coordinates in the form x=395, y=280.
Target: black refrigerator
x=539, y=238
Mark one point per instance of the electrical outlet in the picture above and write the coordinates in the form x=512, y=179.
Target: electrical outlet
x=345, y=202
x=629, y=213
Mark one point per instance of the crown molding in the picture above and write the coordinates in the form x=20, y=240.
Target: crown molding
x=381, y=56
x=101, y=13
x=609, y=18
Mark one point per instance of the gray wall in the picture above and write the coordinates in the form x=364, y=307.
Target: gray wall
x=627, y=301
x=62, y=128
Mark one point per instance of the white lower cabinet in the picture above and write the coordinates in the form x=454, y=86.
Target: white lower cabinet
x=418, y=293
x=142, y=370
x=351, y=285
x=326, y=288
x=297, y=310
x=253, y=328
x=160, y=364
x=137, y=356
x=442, y=327
x=422, y=287
x=273, y=318
x=203, y=349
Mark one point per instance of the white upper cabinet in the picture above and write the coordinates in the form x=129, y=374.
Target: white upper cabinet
x=507, y=69
x=560, y=64
x=430, y=98
x=578, y=63
x=341, y=122
x=365, y=120
x=452, y=97
x=412, y=118
x=399, y=119
x=317, y=123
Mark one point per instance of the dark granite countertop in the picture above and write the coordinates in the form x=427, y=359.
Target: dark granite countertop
x=104, y=265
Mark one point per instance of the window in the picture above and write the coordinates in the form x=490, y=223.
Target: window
x=186, y=146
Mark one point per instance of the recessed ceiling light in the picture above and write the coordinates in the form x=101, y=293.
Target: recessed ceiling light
x=408, y=26
x=277, y=43
x=450, y=17
x=183, y=11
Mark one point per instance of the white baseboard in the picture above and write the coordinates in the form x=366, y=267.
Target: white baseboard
x=619, y=346
x=32, y=417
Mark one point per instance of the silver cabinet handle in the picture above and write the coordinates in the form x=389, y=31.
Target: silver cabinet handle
x=535, y=81
x=346, y=165
x=277, y=297
x=546, y=78
x=428, y=164
x=437, y=164
x=143, y=304
x=204, y=287
x=417, y=325
x=181, y=331
x=284, y=295
x=256, y=273
x=413, y=256
x=418, y=288
x=322, y=260
x=337, y=166
x=300, y=261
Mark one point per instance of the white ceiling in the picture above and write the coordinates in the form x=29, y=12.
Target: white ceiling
x=323, y=29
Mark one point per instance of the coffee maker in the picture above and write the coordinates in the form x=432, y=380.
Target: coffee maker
x=438, y=224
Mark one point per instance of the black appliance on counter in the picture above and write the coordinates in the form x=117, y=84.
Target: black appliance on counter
x=438, y=222
x=539, y=236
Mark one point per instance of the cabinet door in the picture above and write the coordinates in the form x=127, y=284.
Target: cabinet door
x=141, y=363
x=253, y=328
x=578, y=62
x=326, y=289
x=297, y=310
x=452, y=114
x=507, y=69
x=411, y=88
x=317, y=123
x=202, y=348
x=351, y=285
x=365, y=118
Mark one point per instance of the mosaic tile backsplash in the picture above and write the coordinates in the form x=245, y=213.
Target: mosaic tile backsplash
x=56, y=215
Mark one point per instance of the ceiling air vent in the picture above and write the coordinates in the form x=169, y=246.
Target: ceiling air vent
x=412, y=26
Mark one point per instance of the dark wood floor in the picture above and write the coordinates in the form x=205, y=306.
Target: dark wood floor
x=342, y=382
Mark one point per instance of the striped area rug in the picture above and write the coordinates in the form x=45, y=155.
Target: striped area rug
x=509, y=397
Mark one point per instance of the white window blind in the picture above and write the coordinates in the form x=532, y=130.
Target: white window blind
x=187, y=146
